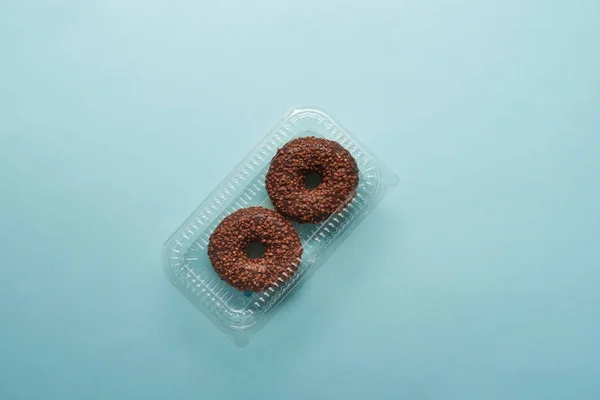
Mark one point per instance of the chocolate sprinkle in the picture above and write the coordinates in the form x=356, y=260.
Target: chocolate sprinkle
x=227, y=249
x=303, y=156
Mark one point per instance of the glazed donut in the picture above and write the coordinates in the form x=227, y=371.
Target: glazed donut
x=300, y=158
x=228, y=244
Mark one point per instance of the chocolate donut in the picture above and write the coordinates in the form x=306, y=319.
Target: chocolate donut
x=228, y=244
x=300, y=158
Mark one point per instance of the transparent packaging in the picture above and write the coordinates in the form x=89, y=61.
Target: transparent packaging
x=241, y=314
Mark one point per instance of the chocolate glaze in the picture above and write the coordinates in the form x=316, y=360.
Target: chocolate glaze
x=298, y=158
x=227, y=249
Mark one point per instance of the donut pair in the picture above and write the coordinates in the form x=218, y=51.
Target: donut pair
x=309, y=179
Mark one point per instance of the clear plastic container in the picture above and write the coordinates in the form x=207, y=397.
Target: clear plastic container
x=241, y=314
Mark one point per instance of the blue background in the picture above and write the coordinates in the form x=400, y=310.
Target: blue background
x=476, y=278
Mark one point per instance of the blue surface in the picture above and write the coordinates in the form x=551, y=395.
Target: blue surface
x=476, y=278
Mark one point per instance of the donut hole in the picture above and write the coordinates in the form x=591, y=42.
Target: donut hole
x=312, y=180
x=255, y=249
